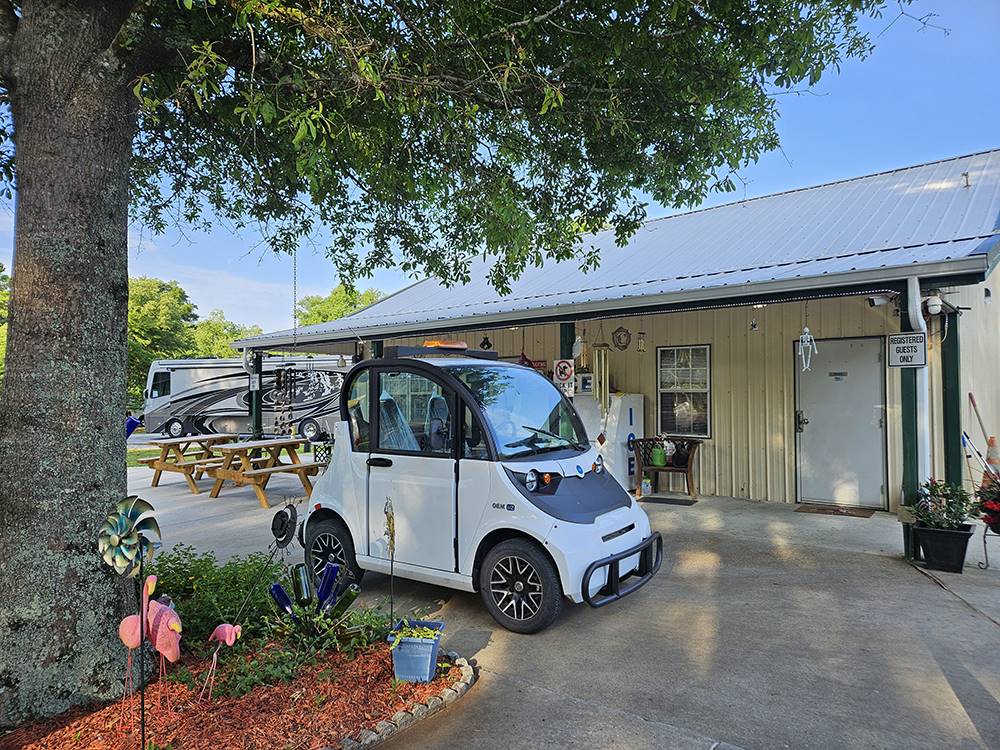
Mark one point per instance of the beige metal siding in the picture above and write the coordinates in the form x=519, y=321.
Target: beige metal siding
x=751, y=453
x=979, y=331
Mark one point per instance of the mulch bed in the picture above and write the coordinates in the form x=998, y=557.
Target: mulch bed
x=328, y=701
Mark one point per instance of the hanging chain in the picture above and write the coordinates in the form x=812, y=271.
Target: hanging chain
x=284, y=397
x=295, y=298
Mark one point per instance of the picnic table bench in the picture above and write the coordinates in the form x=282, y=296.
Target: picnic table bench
x=178, y=455
x=254, y=462
x=681, y=462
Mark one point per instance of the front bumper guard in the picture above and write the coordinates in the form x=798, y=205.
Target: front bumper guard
x=650, y=551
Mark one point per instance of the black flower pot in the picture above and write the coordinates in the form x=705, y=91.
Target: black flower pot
x=944, y=549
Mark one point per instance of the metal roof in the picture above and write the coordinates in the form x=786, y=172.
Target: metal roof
x=935, y=219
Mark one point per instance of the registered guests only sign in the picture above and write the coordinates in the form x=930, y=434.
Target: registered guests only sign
x=908, y=349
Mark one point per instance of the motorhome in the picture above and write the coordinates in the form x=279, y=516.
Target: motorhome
x=300, y=395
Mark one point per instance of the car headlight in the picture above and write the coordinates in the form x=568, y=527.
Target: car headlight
x=599, y=465
x=531, y=480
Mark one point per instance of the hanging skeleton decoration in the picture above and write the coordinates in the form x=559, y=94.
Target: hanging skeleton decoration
x=807, y=347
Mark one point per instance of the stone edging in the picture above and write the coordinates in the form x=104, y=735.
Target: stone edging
x=367, y=738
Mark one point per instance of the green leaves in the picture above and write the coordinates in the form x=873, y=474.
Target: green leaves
x=212, y=336
x=163, y=324
x=159, y=319
x=944, y=506
x=338, y=303
x=423, y=136
x=207, y=593
x=553, y=98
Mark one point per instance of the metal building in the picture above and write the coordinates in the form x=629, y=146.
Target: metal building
x=705, y=310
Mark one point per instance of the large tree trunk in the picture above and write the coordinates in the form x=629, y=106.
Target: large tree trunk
x=62, y=404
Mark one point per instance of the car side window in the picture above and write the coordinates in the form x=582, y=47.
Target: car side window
x=414, y=414
x=359, y=412
x=473, y=437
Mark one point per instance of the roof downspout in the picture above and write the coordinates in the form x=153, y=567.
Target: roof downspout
x=917, y=323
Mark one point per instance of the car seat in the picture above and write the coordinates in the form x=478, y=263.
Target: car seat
x=359, y=426
x=437, y=423
x=394, y=431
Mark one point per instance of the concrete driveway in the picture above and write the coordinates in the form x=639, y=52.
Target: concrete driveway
x=765, y=628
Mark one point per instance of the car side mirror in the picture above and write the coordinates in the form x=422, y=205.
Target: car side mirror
x=145, y=393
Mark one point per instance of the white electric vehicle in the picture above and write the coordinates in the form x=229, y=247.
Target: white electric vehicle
x=492, y=484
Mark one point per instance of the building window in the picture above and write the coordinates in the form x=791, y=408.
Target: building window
x=684, y=390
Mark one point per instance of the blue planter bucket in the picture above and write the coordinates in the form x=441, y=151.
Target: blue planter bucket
x=415, y=659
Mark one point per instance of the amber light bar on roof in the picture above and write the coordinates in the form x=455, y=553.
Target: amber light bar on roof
x=435, y=344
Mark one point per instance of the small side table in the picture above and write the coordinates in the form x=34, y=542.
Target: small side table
x=986, y=553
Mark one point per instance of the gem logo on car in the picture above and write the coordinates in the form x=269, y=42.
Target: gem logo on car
x=579, y=470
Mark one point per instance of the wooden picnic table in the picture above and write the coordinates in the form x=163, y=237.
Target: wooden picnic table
x=176, y=455
x=254, y=462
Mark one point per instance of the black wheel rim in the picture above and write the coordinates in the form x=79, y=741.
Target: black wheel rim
x=327, y=548
x=516, y=588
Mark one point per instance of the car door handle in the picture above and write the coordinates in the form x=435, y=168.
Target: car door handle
x=380, y=462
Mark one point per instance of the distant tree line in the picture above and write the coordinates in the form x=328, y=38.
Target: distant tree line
x=163, y=323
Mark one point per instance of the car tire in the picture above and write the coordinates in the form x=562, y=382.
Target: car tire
x=329, y=540
x=174, y=428
x=309, y=429
x=520, y=586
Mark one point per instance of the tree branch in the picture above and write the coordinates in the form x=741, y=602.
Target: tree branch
x=540, y=18
x=8, y=26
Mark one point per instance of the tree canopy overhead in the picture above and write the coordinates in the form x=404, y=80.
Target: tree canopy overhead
x=420, y=135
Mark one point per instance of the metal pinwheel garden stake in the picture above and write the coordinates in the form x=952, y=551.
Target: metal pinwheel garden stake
x=124, y=545
x=122, y=539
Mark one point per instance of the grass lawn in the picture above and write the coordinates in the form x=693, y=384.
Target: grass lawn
x=137, y=452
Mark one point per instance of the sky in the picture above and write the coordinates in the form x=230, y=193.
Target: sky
x=924, y=94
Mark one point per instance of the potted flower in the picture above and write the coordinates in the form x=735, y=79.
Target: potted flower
x=415, y=646
x=989, y=504
x=941, y=528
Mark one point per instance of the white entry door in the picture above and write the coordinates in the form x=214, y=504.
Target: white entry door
x=840, y=423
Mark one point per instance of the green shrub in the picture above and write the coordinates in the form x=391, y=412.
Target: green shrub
x=944, y=506
x=206, y=593
x=270, y=665
x=316, y=632
x=272, y=648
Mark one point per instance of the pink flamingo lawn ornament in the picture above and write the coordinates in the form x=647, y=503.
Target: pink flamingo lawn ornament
x=164, y=630
x=225, y=634
x=130, y=633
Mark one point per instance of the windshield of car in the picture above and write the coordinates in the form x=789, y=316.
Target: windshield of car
x=526, y=413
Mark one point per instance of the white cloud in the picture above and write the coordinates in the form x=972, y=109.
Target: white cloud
x=242, y=298
x=251, y=287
